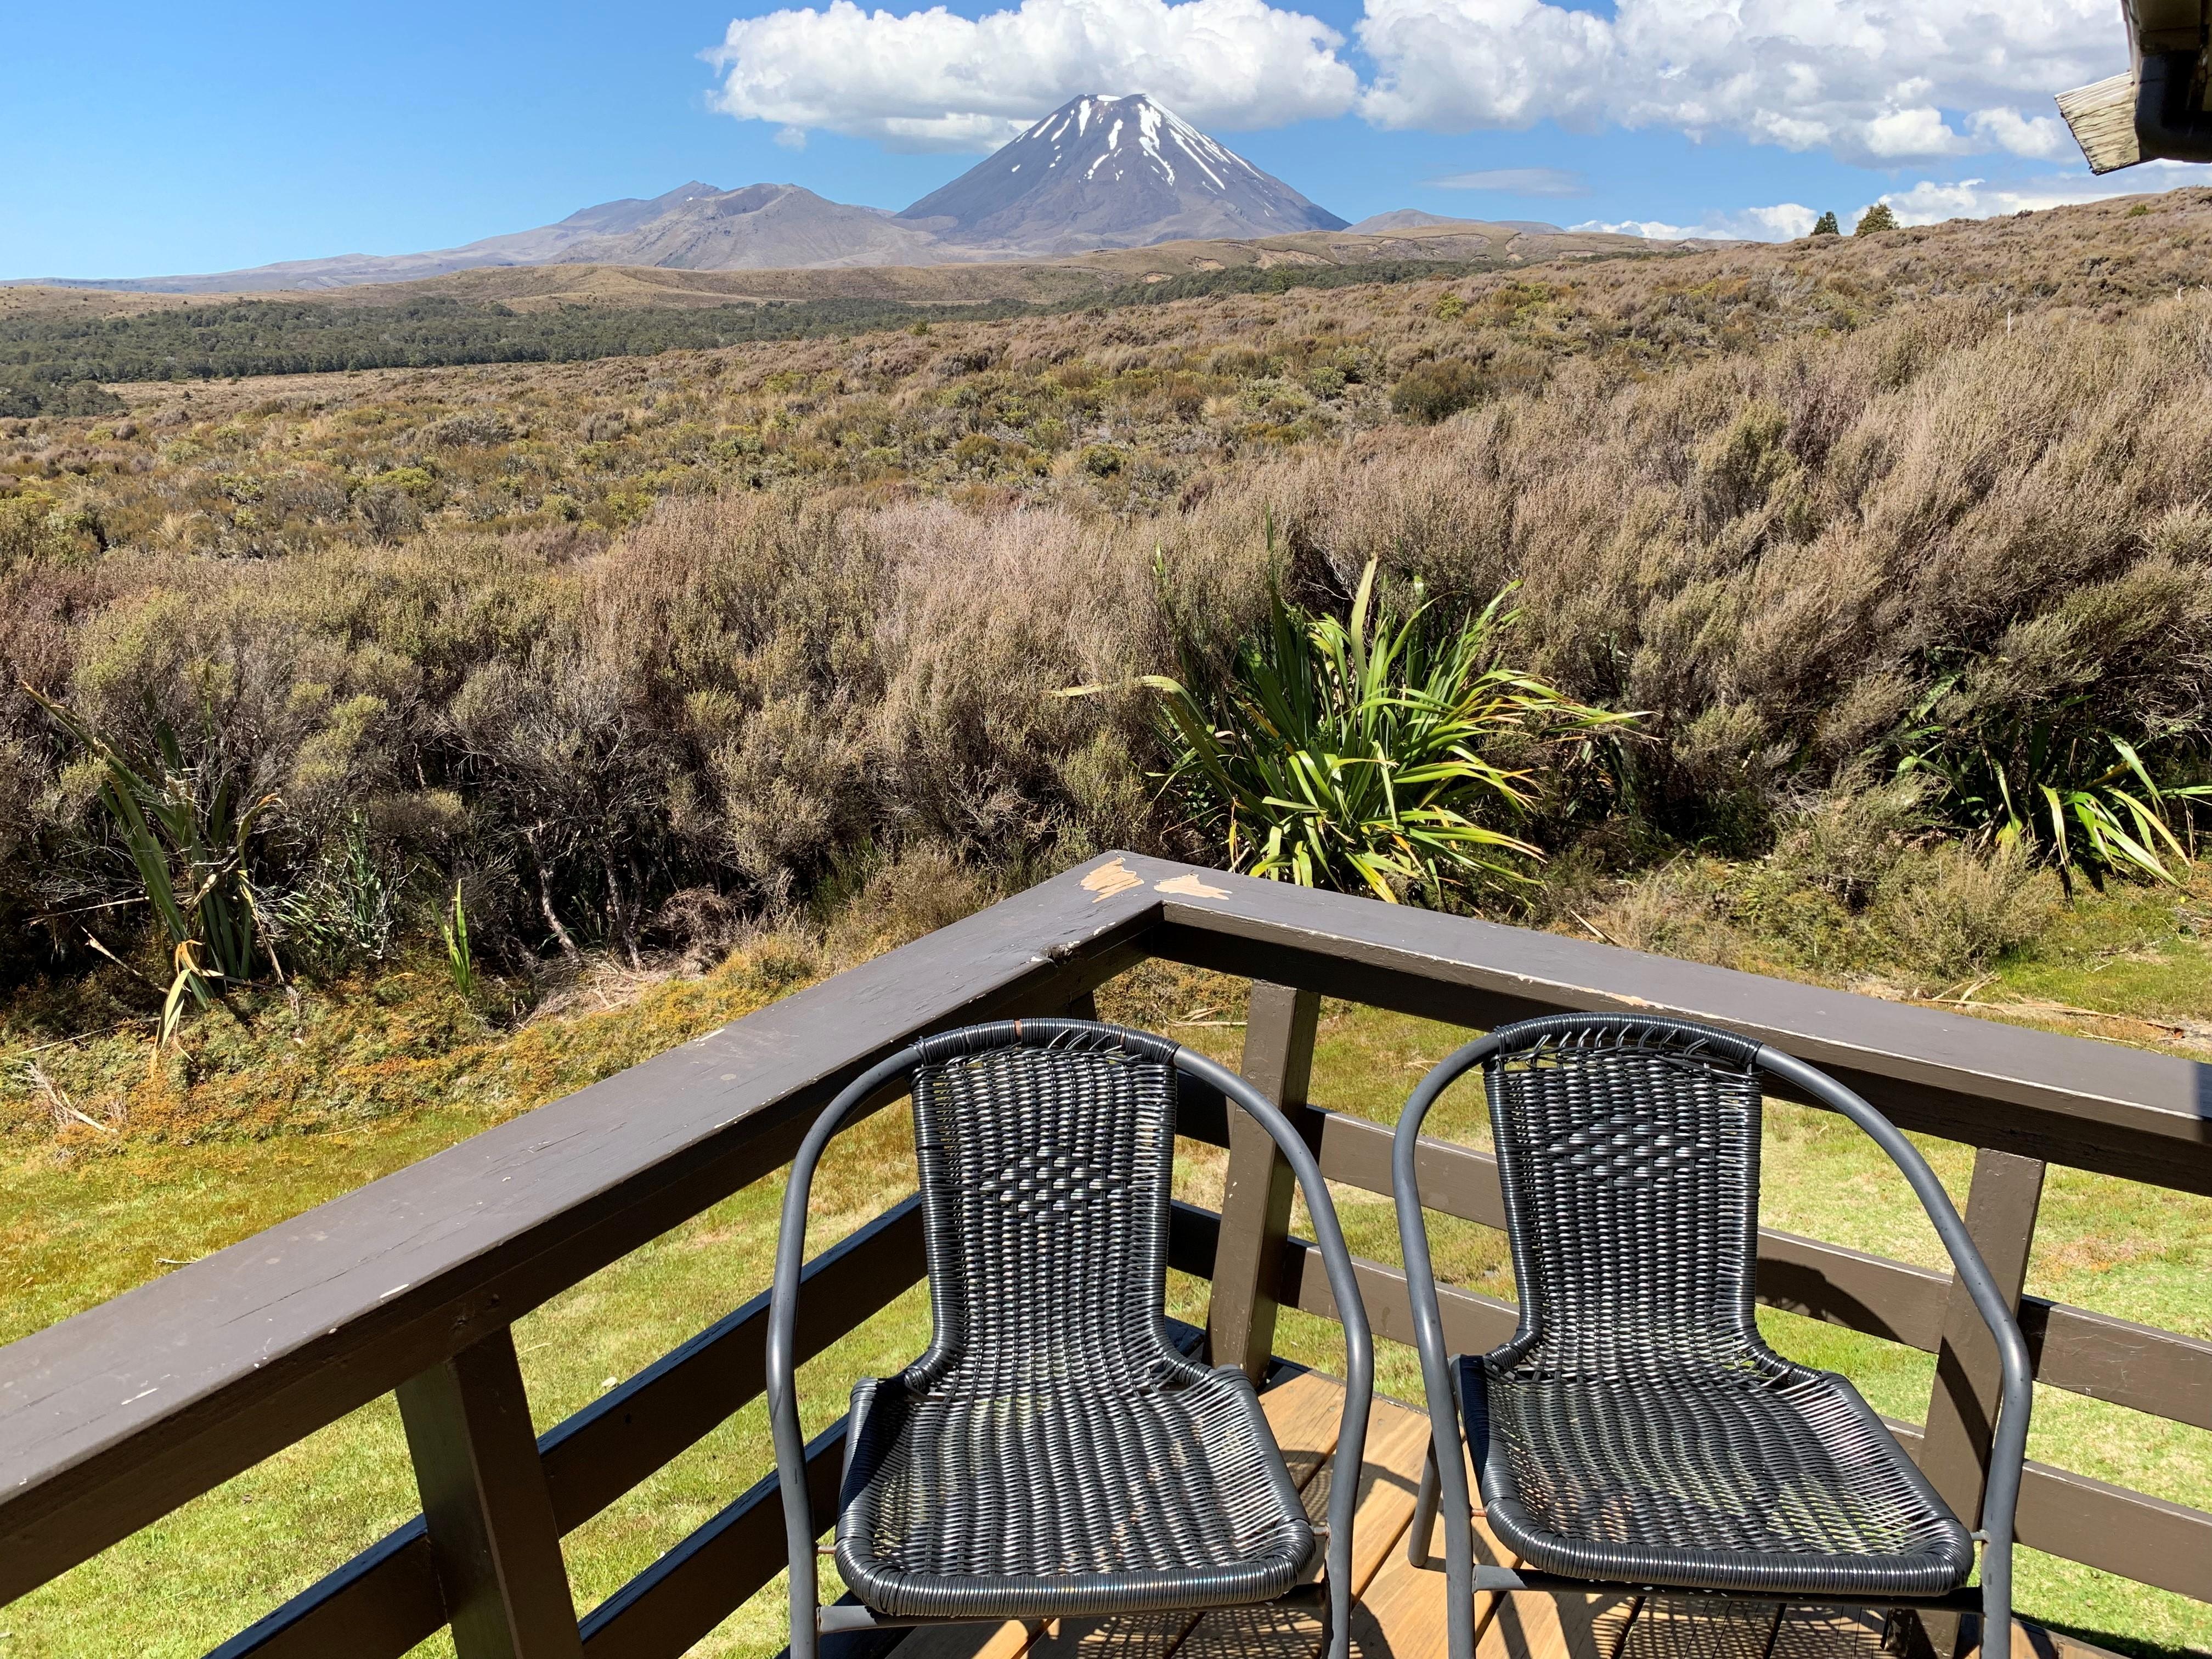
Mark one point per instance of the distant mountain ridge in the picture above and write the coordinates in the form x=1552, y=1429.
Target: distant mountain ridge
x=694, y=226
x=1100, y=173
x=1381, y=224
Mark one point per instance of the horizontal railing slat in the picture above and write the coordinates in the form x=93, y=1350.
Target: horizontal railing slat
x=1871, y=1293
x=2067, y=1100
x=382, y=1603
x=2109, y=1527
x=2159, y=1371
x=666, y=1610
x=111, y=1419
x=386, y=1599
x=1457, y=1180
x=1473, y=1323
x=620, y=1439
x=2139, y=1366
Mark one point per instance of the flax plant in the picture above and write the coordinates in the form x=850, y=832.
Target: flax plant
x=1367, y=753
x=2081, y=799
x=188, y=838
x=460, y=958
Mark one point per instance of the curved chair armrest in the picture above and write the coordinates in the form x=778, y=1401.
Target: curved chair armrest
x=1352, y=1313
x=1456, y=1503
x=782, y=1324
x=2009, y=1447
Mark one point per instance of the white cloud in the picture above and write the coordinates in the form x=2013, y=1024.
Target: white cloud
x=1911, y=132
x=935, y=81
x=1779, y=224
x=791, y=137
x=1868, y=79
x=1929, y=203
x=1517, y=181
x=2023, y=134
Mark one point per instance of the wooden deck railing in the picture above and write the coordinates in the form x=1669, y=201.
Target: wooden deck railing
x=411, y=1283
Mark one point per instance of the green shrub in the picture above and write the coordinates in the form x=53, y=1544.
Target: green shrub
x=345, y=909
x=1847, y=845
x=1859, y=884
x=1432, y=390
x=1948, y=913
x=460, y=957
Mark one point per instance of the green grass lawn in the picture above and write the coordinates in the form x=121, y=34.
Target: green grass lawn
x=106, y=1216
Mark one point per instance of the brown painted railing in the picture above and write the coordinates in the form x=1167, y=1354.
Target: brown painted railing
x=411, y=1283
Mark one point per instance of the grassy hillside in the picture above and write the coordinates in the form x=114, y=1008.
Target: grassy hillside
x=633, y=286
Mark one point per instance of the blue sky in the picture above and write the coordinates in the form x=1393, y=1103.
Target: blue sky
x=149, y=139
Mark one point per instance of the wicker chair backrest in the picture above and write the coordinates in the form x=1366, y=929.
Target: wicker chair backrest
x=1045, y=1185
x=1628, y=1151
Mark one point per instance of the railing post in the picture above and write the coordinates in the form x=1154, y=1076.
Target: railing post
x=487, y=1506
x=1255, y=1203
x=1962, y=1410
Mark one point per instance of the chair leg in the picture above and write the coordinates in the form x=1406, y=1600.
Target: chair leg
x=1904, y=1636
x=1424, y=1510
x=1459, y=1583
x=1338, y=1592
x=1627, y=1624
x=1774, y=1629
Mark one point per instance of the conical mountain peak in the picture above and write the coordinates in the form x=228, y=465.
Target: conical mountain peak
x=1106, y=171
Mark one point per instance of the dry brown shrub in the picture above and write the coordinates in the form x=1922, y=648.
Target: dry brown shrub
x=742, y=623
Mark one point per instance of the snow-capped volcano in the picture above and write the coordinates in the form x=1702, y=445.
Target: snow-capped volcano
x=1103, y=172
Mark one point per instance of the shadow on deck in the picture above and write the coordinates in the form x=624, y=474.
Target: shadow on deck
x=1401, y=1606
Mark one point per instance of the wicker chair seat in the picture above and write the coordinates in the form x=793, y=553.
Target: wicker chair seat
x=1067, y=1498
x=1769, y=1478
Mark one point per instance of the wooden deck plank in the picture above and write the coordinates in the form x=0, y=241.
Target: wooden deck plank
x=1305, y=1410
x=1528, y=1626
x=1005, y=1641
x=1403, y=1607
x=1397, y=1440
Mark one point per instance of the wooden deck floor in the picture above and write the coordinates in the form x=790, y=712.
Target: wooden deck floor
x=1400, y=1611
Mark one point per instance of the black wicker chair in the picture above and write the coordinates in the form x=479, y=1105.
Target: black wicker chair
x=1636, y=1434
x=1053, y=1453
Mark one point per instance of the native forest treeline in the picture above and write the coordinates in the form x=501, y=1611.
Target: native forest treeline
x=55, y=364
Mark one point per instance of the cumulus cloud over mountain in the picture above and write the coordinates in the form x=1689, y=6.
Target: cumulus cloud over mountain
x=935, y=81
x=1869, y=81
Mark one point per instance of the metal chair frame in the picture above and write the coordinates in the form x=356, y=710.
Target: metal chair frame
x=1444, y=1481
x=810, y=1620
